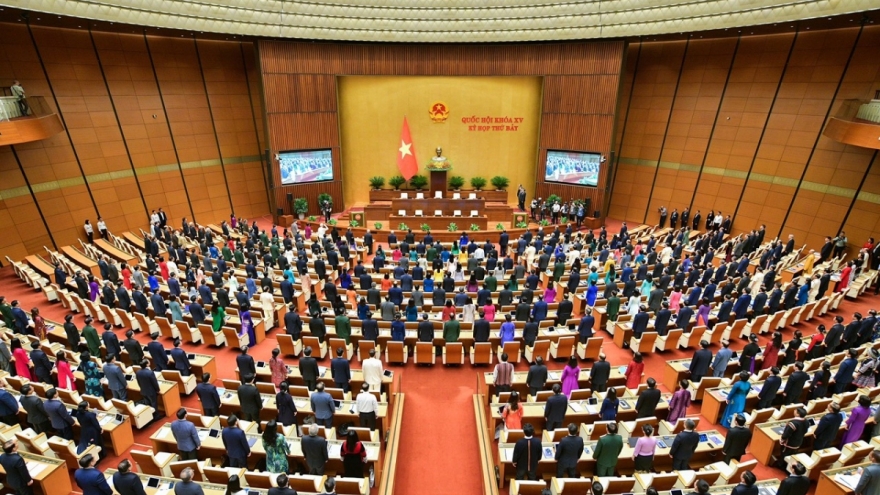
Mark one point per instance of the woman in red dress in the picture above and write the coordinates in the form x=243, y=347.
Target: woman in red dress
x=634, y=371
x=771, y=352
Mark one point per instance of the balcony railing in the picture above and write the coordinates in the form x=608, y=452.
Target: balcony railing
x=36, y=106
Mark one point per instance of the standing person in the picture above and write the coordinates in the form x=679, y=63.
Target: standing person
x=684, y=446
x=186, y=436
x=148, y=384
x=286, y=407
x=315, y=451
x=36, y=413
x=354, y=456
x=90, y=429
x=648, y=400
x=796, y=483
x=537, y=376
x=521, y=198
x=736, y=398
x=737, y=440
x=643, y=452
x=570, y=375
x=610, y=404
x=277, y=368
x=526, y=454
x=115, y=378
x=17, y=476
x=186, y=486
x=869, y=482
x=209, y=396
x=634, y=371
x=323, y=406
x=373, y=371
x=600, y=373
x=249, y=398
x=59, y=416
x=512, y=413
x=747, y=485
x=340, y=371
x=793, y=435
x=236, y=443
x=503, y=374
x=20, y=99
x=367, y=406
x=554, y=408
x=607, y=451
x=126, y=482
x=90, y=232
x=23, y=363
x=679, y=402
x=276, y=448
x=42, y=366
x=568, y=452
x=308, y=369
x=90, y=479
x=855, y=423
x=828, y=427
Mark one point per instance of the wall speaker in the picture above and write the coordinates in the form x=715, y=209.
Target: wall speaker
x=280, y=211
x=587, y=203
x=289, y=196
x=596, y=214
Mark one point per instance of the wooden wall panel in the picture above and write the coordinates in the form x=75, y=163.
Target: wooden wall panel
x=622, y=180
x=580, y=94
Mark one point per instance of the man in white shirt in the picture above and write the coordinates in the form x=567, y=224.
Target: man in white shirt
x=479, y=253
x=268, y=303
x=367, y=405
x=373, y=372
x=18, y=92
x=717, y=221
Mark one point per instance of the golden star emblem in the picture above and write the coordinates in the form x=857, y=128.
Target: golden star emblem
x=405, y=149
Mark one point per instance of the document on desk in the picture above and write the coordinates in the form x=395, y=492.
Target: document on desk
x=848, y=480
x=321, y=371
x=554, y=376
x=508, y=454
x=106, y=419
x=575, y=407
x=334, y=450
x=35, y=468
x=300, y=404
x=164, y=432
x=203, y=434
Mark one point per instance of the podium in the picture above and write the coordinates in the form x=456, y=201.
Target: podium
x=438, y=182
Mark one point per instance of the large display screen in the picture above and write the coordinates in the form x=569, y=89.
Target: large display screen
x=305, y=166
x=573, y=167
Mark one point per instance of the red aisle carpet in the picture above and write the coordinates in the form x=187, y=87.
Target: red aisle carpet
x=438, y=450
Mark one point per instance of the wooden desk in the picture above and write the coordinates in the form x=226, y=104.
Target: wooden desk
x=295, y=378
x=168, y=399
x=440, y=223
x=674, y=372
x=447, y=205
x=208, y=488
x=117, y=253
x=705, y=454
x=82, y=260
x=518, y=381
x=53, y=478
x=827, y=485
x=43, y=267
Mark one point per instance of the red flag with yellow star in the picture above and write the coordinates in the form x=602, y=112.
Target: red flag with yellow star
x=406, y=154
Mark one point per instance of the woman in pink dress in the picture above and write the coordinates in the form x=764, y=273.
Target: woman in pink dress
x=65, y=376
x=23, y=363
x=39, y=324
x=844, y=277
x=489, y=310
x=570, y=375
x=550, y=293
x=308, y=230
x=634, y=371
x=679, y=403
x=675, y=299
x=278, y=369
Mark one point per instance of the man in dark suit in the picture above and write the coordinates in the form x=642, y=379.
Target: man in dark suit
x=293, y=324
x=796, y=483
x=157, y=353
x=236, y=443
x=737, y=439
x=59, y=416
x=792, y=436
x=700, y=362
x=554, y=409
x=340, y=370
x=684, y=446
x=90, y=479
x=181, y=360
x=133, y=347
x=425, y=330
x=17, y=476
x=308, y=368
x=767, y=396
x=111, y=341
x=563, y=311
x=585, y=327
x=42, y=365
x=36, y=413
x=315, y=451
x=794, y=387
x=869, y=482
x=640, y=322
x=537, y=376
x=600, y=373
x=648, y=400
x=246, y=365
x=209, y=396
x=125, y=482
x=661, y=321
x=196, y=311
x=149, y=385
x=282, y=489
x=568, y=451
x=481, y=328
x=249, y=399
x=526, y=454
x=828, y=427
x=845, y=372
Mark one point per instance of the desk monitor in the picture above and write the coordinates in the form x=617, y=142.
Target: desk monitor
x=337, y=403
x=153, y=483
x=573, y=167
x=388, y=373
x=301, y=166
x=190, y=356
x=260, y=364
x=704, y=437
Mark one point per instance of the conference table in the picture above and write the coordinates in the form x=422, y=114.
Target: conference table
x=82, y=260
x=50, y=475
x=168, y=399
x=116, y=253
x=840, y=481
x=295, y=378
x=440, y=223
x=518, y=381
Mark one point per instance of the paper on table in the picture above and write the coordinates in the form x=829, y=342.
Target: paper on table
x=575, y=406
x=164, y=432
x=508, y=454
x=35, y=468
x=203, y=434
x=334, y=450
x=553, y=376
x=849, y=480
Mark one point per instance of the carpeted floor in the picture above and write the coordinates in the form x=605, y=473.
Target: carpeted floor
x=438, y=450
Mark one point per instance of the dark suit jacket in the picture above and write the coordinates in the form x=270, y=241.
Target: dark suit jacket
x=794, y=485
x=684, y=445
x=826, y=431
x=135, y=351
x=17, y=475
x=554, y=409
x=147, y=382
x=42, y=366
x=640, y=324
x=599, y=374
x=314, y=450
x=92, y=482
x=700, y=364
x=738, y=438
x=181, y=361
x=647, y=403
x=157, y=353
x=111, y=341
x=769, y=390
x=250, y=400
x=569, y=451
x=236, y=443
x=794, y=387
x=742, y=489
x=36, y=413
x=208, y=395
x=340, y=370
x=537, y=376
x=525, y=450
x=308, y=368
x=246, y=365
x=286, y=408
x=128, y=484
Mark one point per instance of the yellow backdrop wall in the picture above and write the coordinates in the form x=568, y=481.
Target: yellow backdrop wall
x=372, y=109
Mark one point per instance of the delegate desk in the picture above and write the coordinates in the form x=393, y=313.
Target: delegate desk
x=706, y=453
x=295, y=378
x=440, y=223
x=518, y=381
x=116, y=253
x=715, y=399
x=82, y=260
x=168, y=399
x=840, y=481
x=212, y=447
x=765, y=440
x=344, y=414
x=163, y=485
x=50, y=475
x=446, y=205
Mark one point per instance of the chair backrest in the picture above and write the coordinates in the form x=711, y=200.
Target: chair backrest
x=855, y=453
x=575, y=486
x=216, y=475
x=231, y=336
x=594, y=348
x=303, y=484
x=526, y=487
x=482, y=353
x=696, y=335
x=511, y=436
x=581, y=394
x=672, y=338
x=454, y=353
x=599, y=428
x=740, y=469
x=364, y=434
x=543, y=395
x=266, y=388
x=512, y=349
x=395, y=352
x=146, y=463
x=646, y=343
x=231, y=384
x=664, y=481
x=622, y=484
x=541, y=348
x=709, y=476
x=349, y=486
x=258, y=480
x=211, y=338
x=565, y=346
x=761, y=416
x=178, y=467
x=314, y=343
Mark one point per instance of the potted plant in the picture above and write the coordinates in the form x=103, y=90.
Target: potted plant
x=521, y=225
x=312, y=218
x=553, y=198
x=378, y=225
x=455, y=182
x=452, y=227
x=419, y=182
x=499, y=226
x=353, y=223
x=402, y=226
x=332, y=222
x=478, y=183
x=474, y=227
x=396, y=182
x=425, y=227
x=300, y=207
x=377, y=182
x=324, y=197
x=500, y=182
x=544, y=223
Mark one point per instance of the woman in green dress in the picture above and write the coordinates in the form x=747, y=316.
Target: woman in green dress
x=218, y=315
x=276, y=449
x=92, y=375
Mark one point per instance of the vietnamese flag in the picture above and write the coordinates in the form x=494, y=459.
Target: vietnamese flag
x=406, y=154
